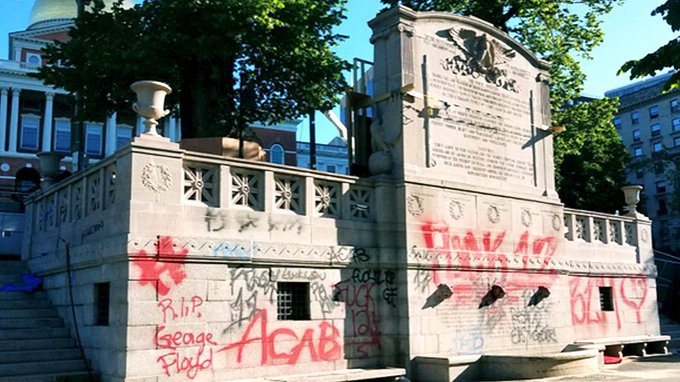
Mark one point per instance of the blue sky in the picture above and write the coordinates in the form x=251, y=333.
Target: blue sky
x=630, y=32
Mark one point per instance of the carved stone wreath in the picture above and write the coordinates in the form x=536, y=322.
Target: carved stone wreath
x=526, y=218
x=415, y=205
x=556, y=222
x=156, y=178
x=493, y=214
x=644, y=235
x=456, y=209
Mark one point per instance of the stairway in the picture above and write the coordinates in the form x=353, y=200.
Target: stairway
x=34, y=344
x=671, y=328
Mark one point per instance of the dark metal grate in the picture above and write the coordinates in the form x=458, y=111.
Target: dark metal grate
x=102, y=300
x=292, y=301
x=606, y=300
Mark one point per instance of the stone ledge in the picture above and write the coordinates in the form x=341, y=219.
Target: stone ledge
x=344, y=375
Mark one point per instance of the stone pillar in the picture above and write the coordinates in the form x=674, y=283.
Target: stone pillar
x=14, y=121
x=47, y=123
x=179, y=130
x=110, y=145
x=3, y=117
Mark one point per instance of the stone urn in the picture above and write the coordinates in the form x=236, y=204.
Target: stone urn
x=50, y=163
x=632, y=196
x=150, y=103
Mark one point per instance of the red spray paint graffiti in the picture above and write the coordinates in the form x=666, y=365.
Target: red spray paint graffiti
x=472, y=252
x=189, y=352
x=164, y=270
x=326, y=348
x=583, y=290
x=581, y=299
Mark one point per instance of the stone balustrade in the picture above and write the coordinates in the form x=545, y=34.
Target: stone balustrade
x=256, y=186
x=612, y=238
x=213, y=192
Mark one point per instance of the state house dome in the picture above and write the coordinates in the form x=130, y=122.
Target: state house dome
x=48, y=10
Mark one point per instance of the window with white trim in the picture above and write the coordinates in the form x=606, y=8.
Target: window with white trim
x=30, y=125
x=276, y=154
x=62, y=135
x=93, y=138
x=123, y=135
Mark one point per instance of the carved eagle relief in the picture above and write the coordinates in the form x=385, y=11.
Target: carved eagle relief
x=486, y=53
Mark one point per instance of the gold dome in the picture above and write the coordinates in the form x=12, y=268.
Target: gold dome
x=44, y=10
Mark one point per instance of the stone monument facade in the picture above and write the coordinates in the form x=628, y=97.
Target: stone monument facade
x=456, y=254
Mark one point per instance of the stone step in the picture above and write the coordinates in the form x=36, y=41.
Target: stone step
x=28, y=313
x=28, y=323
x=13, y=267
x=18, y=295
x=39, y=355
x=36, y=343
x=16, y=334
x=9, y=278
x=76, y=376
x=29, y=302
x=27, y=369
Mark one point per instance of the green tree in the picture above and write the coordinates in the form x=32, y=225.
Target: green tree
x=589, y=157
x=208, y=51
x=667, y=56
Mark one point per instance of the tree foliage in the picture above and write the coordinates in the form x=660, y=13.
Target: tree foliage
x=208, y=51
x=557, y=31
x=667, y=56
x=590, y=157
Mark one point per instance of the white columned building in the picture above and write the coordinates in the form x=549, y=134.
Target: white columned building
x=47, y=122
x=3, y=116
x=14, y=121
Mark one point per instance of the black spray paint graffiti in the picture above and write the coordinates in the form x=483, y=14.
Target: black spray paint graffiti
x=251, y=286
x=530, y=323
x=217, y=221
x=352, y=255
x=361, y=292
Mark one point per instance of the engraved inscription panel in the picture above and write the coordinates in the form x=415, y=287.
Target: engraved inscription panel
x=484, y=91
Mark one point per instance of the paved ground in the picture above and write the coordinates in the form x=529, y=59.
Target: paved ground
x=652, y=368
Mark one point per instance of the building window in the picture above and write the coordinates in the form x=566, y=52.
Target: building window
x=30, y=125
x=102, y=300
x=606, y=299
x=276, y=154
x=676, y=124
x=675, y=106
x=653, y=111
x=617, y=122
x=657, y=146
x=292, y=301
x=676, y=141
x=62, y=135
x=33, y=59
x=123, y=135
x=661, y=187
x=635, y=117
x=93, y=139
x=658, y=168
x=330, y=168
x=663, y=208
x=636, y=135
x=639, y=174
x=656, y=130
x=637, y=152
